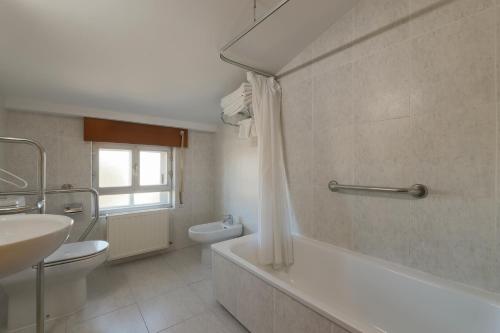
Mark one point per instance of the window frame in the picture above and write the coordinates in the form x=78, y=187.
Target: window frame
x=136, y=172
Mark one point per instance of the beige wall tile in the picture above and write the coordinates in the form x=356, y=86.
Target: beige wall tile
x=382, y=154
x=297, y=132
x=333, y=160
x=452, y=67
x=455, y=151
x=381, y=227
x=333, y=48
x=381, y=84
x=453, y=238
x=236, y=184
x=379, y=23
x=428, y=15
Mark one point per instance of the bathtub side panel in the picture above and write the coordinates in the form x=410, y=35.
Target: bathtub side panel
x=255, y=305
x=226, y=282
x=291, y=316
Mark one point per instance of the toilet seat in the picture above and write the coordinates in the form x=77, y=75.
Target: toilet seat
x=71, y=252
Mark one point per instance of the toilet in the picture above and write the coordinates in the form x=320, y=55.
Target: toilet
x=66, y=273
x=214, y=232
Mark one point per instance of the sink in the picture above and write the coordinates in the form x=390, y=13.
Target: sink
x=26, y=239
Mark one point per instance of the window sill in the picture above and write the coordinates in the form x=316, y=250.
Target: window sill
x=131, y=210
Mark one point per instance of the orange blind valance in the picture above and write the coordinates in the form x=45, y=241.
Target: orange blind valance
x=102, y=130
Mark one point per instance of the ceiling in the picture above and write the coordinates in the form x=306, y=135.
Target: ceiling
x=147, y=57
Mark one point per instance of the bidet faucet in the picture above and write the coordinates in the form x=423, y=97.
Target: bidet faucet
x=228, y=219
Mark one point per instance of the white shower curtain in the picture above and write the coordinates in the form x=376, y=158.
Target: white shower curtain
x=275, y=213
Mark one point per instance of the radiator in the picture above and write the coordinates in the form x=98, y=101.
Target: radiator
x=130, y=234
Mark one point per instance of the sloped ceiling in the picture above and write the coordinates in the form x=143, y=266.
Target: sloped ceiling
x=144, y=57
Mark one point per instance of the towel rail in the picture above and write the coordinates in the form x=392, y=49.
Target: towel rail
x=417, y=191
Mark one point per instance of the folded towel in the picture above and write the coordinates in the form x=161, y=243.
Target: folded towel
x=245, y=128
x=236, y=108
x=244, y=90
x=246, y=99
x=240, y=101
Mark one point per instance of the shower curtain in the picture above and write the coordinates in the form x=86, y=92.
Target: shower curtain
x=275, y=213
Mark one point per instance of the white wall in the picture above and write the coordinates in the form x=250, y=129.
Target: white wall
x=69, y=161
x=236, y=176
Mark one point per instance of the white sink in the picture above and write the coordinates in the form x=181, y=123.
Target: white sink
x=27, y=239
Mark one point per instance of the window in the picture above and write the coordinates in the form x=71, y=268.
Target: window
x=130, y=177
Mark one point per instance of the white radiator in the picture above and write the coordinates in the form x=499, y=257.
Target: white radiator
x=130, y=234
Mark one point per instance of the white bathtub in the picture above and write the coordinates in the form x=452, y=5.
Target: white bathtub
x=353, y=291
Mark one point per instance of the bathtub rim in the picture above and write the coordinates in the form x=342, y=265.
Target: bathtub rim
x=225, y=249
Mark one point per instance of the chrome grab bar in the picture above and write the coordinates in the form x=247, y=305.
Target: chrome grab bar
x=92, y=191
x=19, y=210
x=417, y=191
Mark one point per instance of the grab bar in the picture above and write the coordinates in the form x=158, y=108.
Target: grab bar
x=20, y=210
x=95, y=197
x=417, y=191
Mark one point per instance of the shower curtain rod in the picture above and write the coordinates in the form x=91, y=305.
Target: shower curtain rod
x=243, y=34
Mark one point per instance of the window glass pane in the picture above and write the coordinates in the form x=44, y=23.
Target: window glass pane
x=146, y=198
x=114, y=200
x=153, y=168
x=115, y=168
x=152, y=198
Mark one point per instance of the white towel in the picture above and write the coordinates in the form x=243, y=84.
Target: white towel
x=244, y=90
x=238, y=100
x=235, y=109
x=245, y=128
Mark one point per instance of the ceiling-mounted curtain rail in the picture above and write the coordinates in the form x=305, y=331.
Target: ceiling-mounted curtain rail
x=243, y=34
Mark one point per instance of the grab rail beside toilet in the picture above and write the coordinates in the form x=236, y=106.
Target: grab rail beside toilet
x=92, y=191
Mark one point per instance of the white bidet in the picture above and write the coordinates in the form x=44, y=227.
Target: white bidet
x=214, y=232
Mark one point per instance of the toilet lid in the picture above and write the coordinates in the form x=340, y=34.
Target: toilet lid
x=72, y=251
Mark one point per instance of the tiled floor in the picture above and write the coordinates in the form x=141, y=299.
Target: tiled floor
x=169, y=293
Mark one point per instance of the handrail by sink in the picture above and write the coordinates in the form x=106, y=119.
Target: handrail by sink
x=92, y=191
x=19, y=210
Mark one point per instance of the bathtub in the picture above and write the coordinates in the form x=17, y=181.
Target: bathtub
x=330, y=289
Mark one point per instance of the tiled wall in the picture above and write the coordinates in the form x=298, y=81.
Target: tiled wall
x=408, y=94
x=199, y=186
x=3, y=115
x=237, y=187
x=69, y=161
x=3, y=128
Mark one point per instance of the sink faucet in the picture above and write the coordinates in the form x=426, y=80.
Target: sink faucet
x=228, y=219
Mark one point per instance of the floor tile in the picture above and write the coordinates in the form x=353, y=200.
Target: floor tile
x=125, y=320
x=51, y=326
x=107, y=291
x=150, y=277
x=204, y=323
x=205, y=291
x=170, y=309
x=187, y=263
